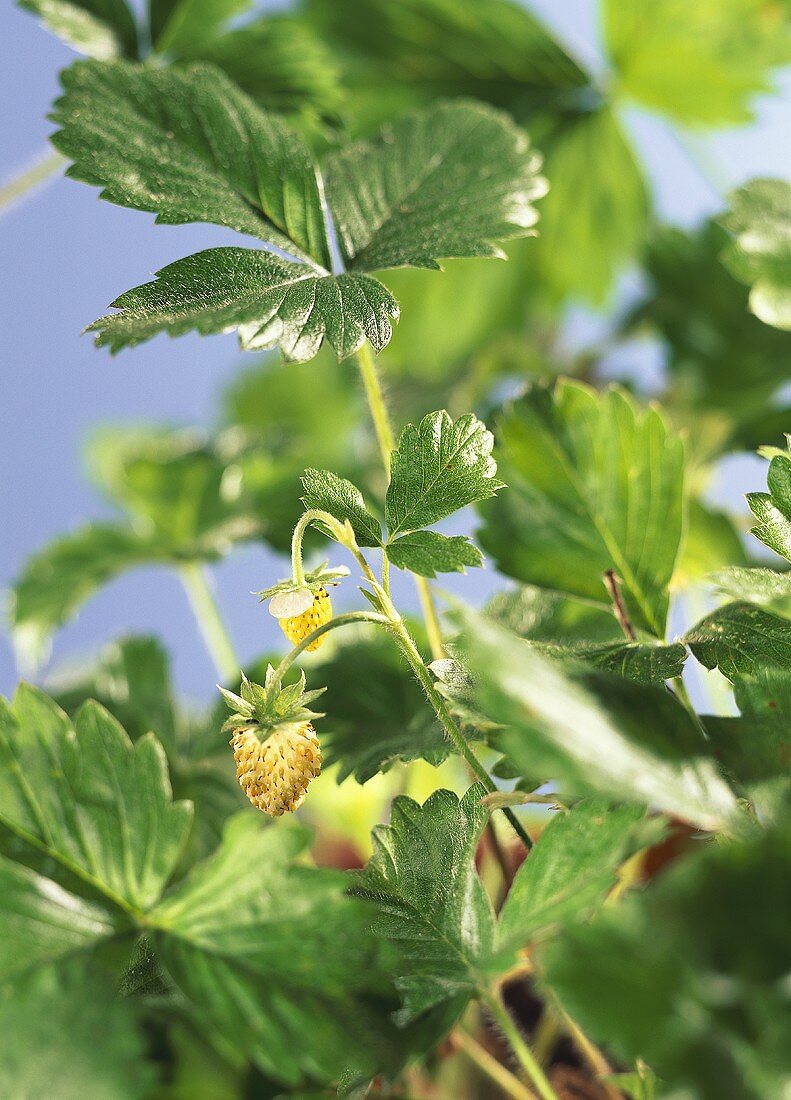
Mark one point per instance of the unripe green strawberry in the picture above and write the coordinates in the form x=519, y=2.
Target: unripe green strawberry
x=298, y=627
x=276, y=773
x=275, y=748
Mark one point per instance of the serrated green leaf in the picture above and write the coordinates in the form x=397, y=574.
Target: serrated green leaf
x=593, y=220
x=773, y=509
x=594, y=732
x=595, y=483
x=760, y=219
x=270, y=301
x=101, y=28
x=57, y=580
x=642, y=663
x=571, y=869
x=418, y=193
x=203, y=153
x=700, y=64
x=429, y=900
x=131, y=679
x=429, y=553
x=438, y=467
x=376, y=711
x=689, y=974
x=64, y=1032
x=327, y=492
x=278, y=959
x=740, y=638
x=94, y=802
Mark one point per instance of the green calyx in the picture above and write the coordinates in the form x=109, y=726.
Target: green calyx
x=290, y=597
x=271, y=706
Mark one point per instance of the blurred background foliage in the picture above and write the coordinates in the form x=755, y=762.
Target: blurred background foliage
x=470, y=339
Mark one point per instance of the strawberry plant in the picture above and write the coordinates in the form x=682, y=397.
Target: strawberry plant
x=536, y=846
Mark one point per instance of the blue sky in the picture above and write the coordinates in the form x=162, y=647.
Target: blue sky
x=66, y=255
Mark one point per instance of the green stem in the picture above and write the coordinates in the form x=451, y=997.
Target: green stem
x=339, y=620
x=423, y=676
x=386, y=439
x=207, y=614
x=343, y=535
x=489, y=1066
x=29, y=178
x=523, y=1053
x=376, y=403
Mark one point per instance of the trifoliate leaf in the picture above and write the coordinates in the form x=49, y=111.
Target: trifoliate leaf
x=65, y=1032
x=595, y=483
x=429, y=553
x=430, y=903
x=773, y=509
x=593, y=220
x=278, y=959
x=57, y=580
x=447, y=181
x=270, y=301
x=94, y=802
x=701, y=64
x=707, y=1005
x=188, y=146
x=438, y=467
x=741, y=638
x=376, y=711
x=594, y=732
x=760, y=219
x=229, y=162
x=100, y=28
x=571, y=869
x=327, y=492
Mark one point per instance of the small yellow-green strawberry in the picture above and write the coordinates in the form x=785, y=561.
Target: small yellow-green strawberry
x=297, y=627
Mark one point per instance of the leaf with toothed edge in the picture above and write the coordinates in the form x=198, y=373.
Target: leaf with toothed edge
x=269, y=300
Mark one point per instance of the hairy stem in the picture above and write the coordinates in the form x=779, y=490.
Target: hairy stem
x=457, y=739
x=342, y=535
x=29, y=178
x=522, y=1051
x=386, y=440
x=339, y=620
x=204, y=606
x=489, y=1066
